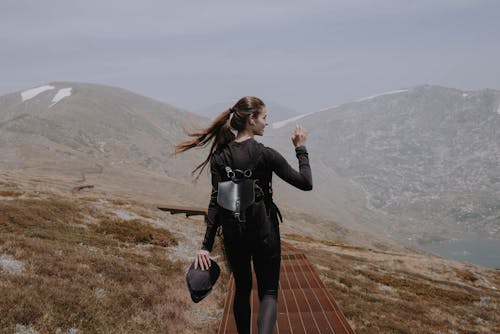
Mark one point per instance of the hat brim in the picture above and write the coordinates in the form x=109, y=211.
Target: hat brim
x=198, y=296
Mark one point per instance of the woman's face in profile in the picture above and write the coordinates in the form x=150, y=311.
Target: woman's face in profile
x=260, y=123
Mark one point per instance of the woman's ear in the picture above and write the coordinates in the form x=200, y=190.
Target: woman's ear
x=251, y=119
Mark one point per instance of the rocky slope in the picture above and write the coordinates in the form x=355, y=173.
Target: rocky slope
x=420, y=163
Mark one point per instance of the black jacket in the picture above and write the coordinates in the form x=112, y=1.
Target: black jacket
x=265, y=161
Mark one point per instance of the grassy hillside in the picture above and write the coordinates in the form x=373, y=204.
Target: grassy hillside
x=392, y=292
x=73, y=264
x=87, y=262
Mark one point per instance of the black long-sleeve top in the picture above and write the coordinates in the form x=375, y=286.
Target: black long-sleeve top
x=265, y=161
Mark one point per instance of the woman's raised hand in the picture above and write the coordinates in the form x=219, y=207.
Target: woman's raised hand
x=202, y=259
x=299, y=135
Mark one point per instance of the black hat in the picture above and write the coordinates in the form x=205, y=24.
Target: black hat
x=200, y=282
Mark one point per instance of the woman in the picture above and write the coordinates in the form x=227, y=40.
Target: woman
x=254, y=234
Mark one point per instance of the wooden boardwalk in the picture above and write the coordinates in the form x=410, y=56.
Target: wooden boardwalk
x=304, y=303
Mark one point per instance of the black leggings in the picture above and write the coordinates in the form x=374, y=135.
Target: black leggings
x=261, y=243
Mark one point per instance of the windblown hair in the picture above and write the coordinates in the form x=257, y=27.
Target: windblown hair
x=219, y=132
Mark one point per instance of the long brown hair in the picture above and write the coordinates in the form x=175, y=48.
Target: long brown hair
x=220, y=129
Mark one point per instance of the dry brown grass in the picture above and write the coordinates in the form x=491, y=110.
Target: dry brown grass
x=381, y=293
x=305, y=238
x=10, y=193
x=84, y=268
x=465, y=275
x=336, y=243
x=97, y=277
x=135, y=231
x=117, y=201
x=7, y=184
x=412, y=289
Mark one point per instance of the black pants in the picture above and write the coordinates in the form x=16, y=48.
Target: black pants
x=257, y=239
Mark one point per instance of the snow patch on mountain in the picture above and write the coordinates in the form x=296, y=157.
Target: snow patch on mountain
x=328, y=108
x=280, y=124
x=61, y=94
x=31, y=93
x=386, y=93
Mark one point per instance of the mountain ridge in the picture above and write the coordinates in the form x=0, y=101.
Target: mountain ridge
x=405, y=165
x=417, y=156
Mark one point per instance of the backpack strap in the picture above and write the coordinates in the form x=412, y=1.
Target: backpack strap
x=240, y=191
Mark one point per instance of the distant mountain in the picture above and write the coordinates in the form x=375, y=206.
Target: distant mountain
x=276, y=112
x=419, y=163
x=81, y=125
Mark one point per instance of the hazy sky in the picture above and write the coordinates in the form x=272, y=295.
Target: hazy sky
x=306, y=55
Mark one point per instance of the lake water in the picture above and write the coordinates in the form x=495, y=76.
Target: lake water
x=477, y=248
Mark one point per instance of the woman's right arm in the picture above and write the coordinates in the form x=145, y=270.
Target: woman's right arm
x=301, y=179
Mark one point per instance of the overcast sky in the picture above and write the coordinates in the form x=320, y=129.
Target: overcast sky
x=306, y=55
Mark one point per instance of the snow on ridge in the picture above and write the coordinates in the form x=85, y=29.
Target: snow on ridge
x=328, y=108
x=280, y=124
x=386, y=93
x=367, y=98
x=61, y=94
x=31, y=93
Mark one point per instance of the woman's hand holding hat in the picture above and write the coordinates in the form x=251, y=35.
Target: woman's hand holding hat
x=200, y=282
x=202, y=259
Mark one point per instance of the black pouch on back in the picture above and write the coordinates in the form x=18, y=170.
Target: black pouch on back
x=236, y=196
